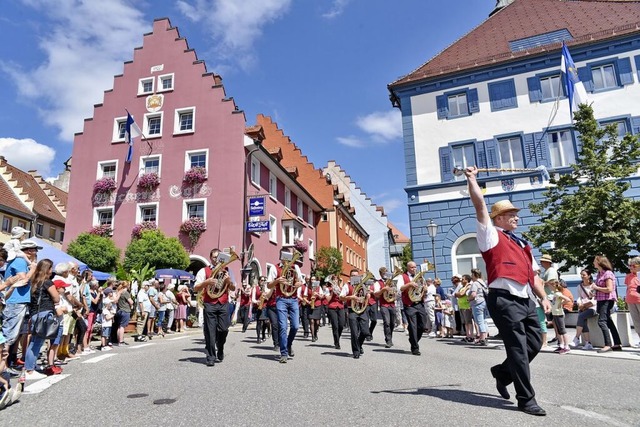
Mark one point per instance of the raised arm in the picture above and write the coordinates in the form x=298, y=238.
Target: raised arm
x=477, y=198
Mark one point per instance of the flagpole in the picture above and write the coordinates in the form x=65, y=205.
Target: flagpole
x=144, y=138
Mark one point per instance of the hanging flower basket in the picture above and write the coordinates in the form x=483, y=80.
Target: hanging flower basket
x=193, y=227
x=149, y=181
x=104, y=185
x=195, y=175
x=136, y=233
x=104, y=230
x=300, y=246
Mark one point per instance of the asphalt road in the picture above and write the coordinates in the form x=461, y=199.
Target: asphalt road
x=165, y=382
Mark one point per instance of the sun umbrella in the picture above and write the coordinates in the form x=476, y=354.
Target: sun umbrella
x=172, y=273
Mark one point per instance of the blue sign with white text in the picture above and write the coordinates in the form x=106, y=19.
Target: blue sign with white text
x=256, y=206
x=258, y=226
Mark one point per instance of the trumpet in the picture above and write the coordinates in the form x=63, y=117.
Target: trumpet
x=391, y=292
x=289, y=273
x=416, y=294
x=361, y=291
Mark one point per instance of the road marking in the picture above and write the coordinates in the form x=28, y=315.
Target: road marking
x=43, y=384
x=595, y=415
x=142, y=345
x=178, y=338
x=99, y=358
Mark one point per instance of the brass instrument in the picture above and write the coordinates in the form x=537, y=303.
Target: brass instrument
x=289, y=272
x=219, y=273
x=359, y=304
x=391, y=294
x=264, y=297
x=314, y=288
x=336, y=289
x=416, y=294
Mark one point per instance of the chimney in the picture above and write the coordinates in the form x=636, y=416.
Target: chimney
x=500, y=4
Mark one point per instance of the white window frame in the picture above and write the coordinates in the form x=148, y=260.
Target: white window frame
x=100, y=171
x=185, y=208
x=554, y=83
x=295, y=232
x=188, y=154
x=96, y=215
x=510, y=163
x=254, y=174
x=563, y=162
x=141, y=83
x=273, y=233
x=287, y=198
x=141, y=206
x=454, y=256
x=457, y=98
x=312, y=249
x=143, y=159
x=40, y=227
x=299, y=209
x=310, y=216
x=161, y=80
x=463, y=161
x=116, y=129
x=145, y=127
x=176, y=120
x=273, y=186
x=600, y=70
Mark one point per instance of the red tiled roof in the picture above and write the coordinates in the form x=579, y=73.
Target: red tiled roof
x=398, y=235
x=587, y=21
x=9, y=199
x=57, y=195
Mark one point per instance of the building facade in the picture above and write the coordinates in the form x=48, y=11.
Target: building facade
x=496, y=99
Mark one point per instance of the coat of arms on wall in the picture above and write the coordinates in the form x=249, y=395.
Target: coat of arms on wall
x=154, y=102
x=507, y=184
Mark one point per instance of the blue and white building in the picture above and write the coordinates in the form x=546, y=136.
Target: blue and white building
x=495, y=99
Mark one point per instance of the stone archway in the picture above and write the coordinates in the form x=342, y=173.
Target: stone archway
x=197, y=262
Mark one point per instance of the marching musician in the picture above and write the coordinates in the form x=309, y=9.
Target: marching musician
x=215, y=310
x=260, y=308
x=415, y=311
x=358, y=322
x=245, y=304
x=372, y=308
x=387, y=308
x=286, y=305
x=315, y=307
x=335, y=308
x=304, y=296
x=272, y=315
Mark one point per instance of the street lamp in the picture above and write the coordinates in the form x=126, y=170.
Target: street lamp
x=432, y=228
x=247, y=176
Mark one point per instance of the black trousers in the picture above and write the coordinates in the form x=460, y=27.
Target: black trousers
x=243, y=314
x=272, y=312
x=336, y=318
x=517, y=321
x=388, y=322
x=216, y=328
x=304, y=319
x=372, y=312
x=416, y=321
x=359, y=328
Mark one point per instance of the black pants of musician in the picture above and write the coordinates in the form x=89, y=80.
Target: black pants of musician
x=262, y=323
x=372, y=312
x=359, y=330
x=314, y=321
x=324, y=314
x=304, y=319
x=416, y=321
x=243, y=315
x=336, y=318
x=517, y=321
x=388, y=322
x=272, y=313
x=216, y=329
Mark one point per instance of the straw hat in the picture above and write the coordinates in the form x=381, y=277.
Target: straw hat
x=546, y=258
x=501, y=207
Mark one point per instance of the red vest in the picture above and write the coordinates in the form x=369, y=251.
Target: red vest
x=384, y=302
x=258, y=293
x=224, y=298
x=372, y=297
x=271, y=302
x=245, y=299
x=303, y=294
x=406, y=301
x=334, y=302
x=509, y=260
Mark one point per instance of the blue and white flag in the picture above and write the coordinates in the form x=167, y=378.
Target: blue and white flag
x=131, y=130
x=575, y=89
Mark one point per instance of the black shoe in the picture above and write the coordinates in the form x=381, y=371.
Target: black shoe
x=211, y=363
x=361, y=350
x=276, y=347
x=369, y=338
x=500, y=386
x=290, y=352
x=337, y=346
x=123, y=343
x=416, y=352
x=533, y=409
x=551, y=341
x=306, y=336
x=356, y=356
x=220, y=357
x=616, y=347
x=387, y=345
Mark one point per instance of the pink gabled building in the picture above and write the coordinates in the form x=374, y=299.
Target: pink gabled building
x=187, y=122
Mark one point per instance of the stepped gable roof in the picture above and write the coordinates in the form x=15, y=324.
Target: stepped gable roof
x=57, y=195
x=332, y=164
x=587, y=21
x=42, y=205
x=11, y=201
x=398, y=236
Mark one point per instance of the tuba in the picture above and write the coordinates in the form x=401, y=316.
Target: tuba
x=359, y=305
x=417, y=294
x=289, y=272
x=391, y=295
x=219, y=273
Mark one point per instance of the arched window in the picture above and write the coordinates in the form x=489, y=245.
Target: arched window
x=466, y=256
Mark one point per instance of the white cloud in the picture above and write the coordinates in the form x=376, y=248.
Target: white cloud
x=350, y=141
x=382, y=126
x=85, y=46
x=391, y=205
x=235, y=25
x=337, y=8
x=27, y=154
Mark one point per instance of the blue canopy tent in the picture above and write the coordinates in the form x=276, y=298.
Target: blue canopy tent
x=172, y=273
x=57, y=255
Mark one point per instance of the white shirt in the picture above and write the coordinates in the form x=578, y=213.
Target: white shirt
x=430, y=295
x=487, y=237
x=273, y=274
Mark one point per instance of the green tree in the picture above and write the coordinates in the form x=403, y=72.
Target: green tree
x=157, y=250
x=407, y=255
x=585, y=211
x=99, y=253
x=328, y=261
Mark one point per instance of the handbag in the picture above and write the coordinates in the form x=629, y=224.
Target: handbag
x=45, y=326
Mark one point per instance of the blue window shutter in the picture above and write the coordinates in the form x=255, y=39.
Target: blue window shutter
x=584, y=73
x=502, y=95
x=624, y=71
x=446, y=168
x=491, y=148
x=481, y=154
x=529, y=150
x=472, y=99
x=443, y=106
x=535, y=90
x=635, y=125
x=637, y=60
x=542, y=149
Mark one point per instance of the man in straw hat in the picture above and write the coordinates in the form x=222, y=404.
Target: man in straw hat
x=511, y=276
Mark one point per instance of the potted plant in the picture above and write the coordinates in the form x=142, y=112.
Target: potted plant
x=103, y=230
x=149, y=181
x=193, y=227
x=138, y=229
x=300, y=246
x=104, y=185
x=192, y=320
x=195, y=175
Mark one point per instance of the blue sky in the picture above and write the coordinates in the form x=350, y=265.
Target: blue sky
x=319, y=68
